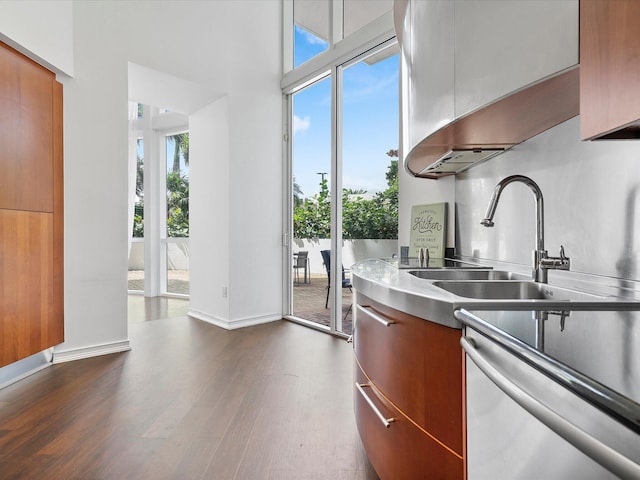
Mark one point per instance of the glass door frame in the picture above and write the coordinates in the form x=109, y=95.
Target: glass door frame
x=288, y=213
x=335, y=294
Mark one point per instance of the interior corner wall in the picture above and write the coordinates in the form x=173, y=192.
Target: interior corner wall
x=96, y=191
x=209, y=212
x=256, y=171
x=591, y=193
x=420, y=191
x=41, y=30
x=235, y=205
x=206, y=44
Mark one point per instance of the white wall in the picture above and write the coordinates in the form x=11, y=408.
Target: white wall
x=95, y=182
x=209, y=211
x=419, y=191
x=591, y=203
x=231, y=47
x=41, y=30
x=411, y=190
x=255, y=253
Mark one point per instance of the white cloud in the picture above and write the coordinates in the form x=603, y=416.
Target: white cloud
x=380, y=85
x=311, y=38
x=301, y=124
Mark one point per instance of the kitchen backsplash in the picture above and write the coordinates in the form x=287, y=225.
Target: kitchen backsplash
x=591, y=203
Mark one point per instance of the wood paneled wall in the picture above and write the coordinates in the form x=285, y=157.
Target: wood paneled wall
x=31, y=208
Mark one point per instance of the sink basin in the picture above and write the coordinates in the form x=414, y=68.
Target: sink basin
x=459, y=274
x=512, y=290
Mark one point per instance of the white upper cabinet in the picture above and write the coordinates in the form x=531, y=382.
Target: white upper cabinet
x=460, y=55
x=429, y=48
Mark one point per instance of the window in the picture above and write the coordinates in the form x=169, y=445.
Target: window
x=343, y=125
x=313, y=27
x=177, y=218
x=357, y=13
x=159, y=254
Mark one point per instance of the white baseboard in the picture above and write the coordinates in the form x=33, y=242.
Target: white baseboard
x=25, y=367
x=233, y=324
x=61, y=356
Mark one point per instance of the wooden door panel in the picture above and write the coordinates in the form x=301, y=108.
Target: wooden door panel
x=609, y=69
x=27, y=308
x=26, y=133
x=56, y=325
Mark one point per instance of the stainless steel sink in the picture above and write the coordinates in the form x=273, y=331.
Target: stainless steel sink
x=513, y=290
x=460, y=274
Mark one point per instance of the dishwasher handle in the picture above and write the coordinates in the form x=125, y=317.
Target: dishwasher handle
x=601, y=453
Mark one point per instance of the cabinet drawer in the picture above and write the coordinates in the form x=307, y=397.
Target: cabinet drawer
x=416, y=364
x=401, y=450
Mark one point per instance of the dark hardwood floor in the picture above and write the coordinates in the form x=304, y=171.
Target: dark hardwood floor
x=190, y=401
x=143, y=309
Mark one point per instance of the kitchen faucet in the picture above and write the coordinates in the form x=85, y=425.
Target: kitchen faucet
x=541, y=261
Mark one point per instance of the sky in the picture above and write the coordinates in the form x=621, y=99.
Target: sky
x=370, y=122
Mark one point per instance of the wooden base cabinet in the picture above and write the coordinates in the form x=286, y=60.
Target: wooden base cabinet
x=408, y=370
x=402, y=450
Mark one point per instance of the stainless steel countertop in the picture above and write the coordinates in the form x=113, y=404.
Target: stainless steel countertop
x=590, y=347
x=383, y=281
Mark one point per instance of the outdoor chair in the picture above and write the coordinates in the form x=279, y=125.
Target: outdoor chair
x=301, y=261
x=346, y=283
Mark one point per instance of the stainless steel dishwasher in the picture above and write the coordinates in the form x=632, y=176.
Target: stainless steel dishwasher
x=532, y=415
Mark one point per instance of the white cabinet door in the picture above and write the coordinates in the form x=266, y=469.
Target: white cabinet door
x=502, y=46
x=430, y=68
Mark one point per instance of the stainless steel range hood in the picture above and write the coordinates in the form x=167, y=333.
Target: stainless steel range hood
x=456, y=161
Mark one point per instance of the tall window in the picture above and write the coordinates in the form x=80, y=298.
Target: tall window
x=369, y=140
x=311, y=165
x=338, y=224
x=344, y=139
x=177, y=219
x=159, y=254
x=136, y=251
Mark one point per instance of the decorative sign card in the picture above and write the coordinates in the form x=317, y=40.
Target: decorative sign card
x=428, y=229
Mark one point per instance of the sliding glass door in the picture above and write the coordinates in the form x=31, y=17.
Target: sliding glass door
x=368, y=137
x=343, y=184
x=311, y=201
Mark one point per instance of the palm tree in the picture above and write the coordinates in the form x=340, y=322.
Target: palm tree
x=139, y=173
x=181, y=142
x=297, y=193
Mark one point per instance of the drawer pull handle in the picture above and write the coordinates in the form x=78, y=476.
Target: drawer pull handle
x=374, y=315
x=385, y=421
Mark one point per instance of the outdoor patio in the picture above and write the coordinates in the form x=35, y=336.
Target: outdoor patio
x=309, y=300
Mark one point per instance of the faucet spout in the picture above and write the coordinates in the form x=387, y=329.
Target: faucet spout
x=541, y=261
x=495, y=198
